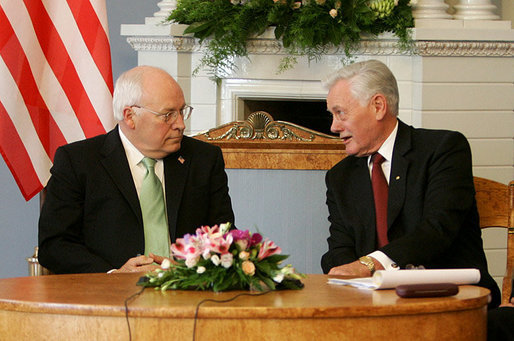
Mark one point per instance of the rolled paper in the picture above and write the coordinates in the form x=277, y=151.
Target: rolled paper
x=391, y=279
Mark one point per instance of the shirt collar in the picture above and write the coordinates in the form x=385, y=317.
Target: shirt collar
x=134, y=156
x=386, y=149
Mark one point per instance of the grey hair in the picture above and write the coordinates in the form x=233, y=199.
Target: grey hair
x=128, y=91
x=366, y=79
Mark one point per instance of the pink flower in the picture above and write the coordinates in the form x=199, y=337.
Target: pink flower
x=255, y=239
x=188, y=247
x=219, y=245
x=179, y=248
x=268, y=248
x=333, y=13
x=241, y=238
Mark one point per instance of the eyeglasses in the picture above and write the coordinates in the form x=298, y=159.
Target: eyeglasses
x=171, y=116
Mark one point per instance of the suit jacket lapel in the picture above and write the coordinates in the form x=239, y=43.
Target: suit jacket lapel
x=398, y=177
x=176, y=167
x=116, y=164
x=364, y=194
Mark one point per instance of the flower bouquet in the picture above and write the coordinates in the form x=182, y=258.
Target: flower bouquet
x=217, y=258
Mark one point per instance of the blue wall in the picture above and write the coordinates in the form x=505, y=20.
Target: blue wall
x=18, y=218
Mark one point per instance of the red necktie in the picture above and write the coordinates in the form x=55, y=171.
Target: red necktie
x=380, y=193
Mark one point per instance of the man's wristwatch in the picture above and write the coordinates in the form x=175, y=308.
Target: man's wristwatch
x=368, y=261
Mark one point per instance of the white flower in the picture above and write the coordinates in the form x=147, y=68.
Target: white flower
x=226, y=260
x=279, y=276
x=191, y=262
x=215, y=259
x=165, y=264
x=333, y=13
x=225, y=227
x=200, y=270
x=206, y=253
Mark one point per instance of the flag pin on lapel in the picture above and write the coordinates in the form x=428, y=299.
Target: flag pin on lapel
x=181, y=159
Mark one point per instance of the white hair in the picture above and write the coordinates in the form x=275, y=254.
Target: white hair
x=366, y=79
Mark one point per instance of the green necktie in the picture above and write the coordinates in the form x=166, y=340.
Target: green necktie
x=154, y=217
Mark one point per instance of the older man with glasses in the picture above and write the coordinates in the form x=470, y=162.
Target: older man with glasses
x=115, y=202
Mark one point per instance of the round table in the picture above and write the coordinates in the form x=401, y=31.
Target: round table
x=92, y=307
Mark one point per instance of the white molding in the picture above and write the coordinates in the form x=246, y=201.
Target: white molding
x=384, y=47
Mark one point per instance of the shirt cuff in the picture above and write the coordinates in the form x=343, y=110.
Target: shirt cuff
x=387, y=263
x=111, y=271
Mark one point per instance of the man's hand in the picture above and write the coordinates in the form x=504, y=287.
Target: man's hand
x=158, y=259
x=356, y=269
x=139, y=264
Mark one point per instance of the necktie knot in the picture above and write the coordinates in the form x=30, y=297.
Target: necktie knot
x=149, y=163
x=377, y=159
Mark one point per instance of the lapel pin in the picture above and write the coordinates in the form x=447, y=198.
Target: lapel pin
x=181, y=159
x=397, y=177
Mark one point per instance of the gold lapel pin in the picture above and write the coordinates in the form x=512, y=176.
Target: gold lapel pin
x=397, y=177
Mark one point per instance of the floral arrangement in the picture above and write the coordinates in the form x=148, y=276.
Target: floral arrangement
x=305, y=27
x=217, y=258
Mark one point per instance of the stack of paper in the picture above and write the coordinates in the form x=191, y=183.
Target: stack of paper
x=391, y=279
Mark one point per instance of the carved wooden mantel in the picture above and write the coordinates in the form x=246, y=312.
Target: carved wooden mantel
x=262, y=143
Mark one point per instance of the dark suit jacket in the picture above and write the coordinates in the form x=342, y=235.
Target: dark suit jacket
x=91, y=219
x=432, y=213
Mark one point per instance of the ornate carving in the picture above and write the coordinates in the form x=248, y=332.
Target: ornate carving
x=465, y=48
x=261, y=126
x=367, y=47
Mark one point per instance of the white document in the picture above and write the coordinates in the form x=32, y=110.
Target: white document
x=391, y=279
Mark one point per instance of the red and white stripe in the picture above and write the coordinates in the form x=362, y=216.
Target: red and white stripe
x=55, y=82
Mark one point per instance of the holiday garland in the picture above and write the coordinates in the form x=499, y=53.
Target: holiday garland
x=307, y=27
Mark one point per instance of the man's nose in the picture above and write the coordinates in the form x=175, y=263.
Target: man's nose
x=179, y=123
x=336, y=126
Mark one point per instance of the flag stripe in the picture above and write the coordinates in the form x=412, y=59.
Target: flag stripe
x=16, y=157
x=18, y=116
x=59, y=60
x=48, y=85
x=87, y=71
x=94, y=36
x=14, y=57
x=55, y=82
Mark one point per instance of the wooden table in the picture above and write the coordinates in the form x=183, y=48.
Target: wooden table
x=91, y=307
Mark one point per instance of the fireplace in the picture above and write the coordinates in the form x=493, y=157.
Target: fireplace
x=311, y=114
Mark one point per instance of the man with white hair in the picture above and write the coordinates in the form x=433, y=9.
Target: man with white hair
x=98, y=211
x=403, y=195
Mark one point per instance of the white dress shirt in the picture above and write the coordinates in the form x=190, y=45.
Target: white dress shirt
x=386, y=150
x=137, y=169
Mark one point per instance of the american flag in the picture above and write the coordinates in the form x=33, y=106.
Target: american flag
x=55, y=82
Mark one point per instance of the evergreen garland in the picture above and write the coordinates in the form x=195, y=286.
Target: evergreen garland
x=309, y=27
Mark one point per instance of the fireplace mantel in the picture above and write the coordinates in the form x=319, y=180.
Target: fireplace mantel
x=460, y=78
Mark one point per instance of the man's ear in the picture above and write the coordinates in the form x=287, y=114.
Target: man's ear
x=128, y=117
x=379, y=105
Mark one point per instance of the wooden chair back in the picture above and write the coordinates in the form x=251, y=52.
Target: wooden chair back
x=495, y=202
